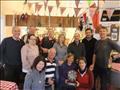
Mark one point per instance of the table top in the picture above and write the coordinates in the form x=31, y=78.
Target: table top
x=116, y=66
x=6, y=85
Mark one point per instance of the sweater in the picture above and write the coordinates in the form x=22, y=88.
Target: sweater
x=76, y=50
x=10, y=51
x=35, y=80
x=86, y=81
x=28, y=55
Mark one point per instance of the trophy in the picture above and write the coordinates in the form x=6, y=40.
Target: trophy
x=72, y=78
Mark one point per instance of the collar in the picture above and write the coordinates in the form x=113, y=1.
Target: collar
x=16, y=39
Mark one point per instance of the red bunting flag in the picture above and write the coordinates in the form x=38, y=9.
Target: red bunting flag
x=50, y=8
x=37, y=7
x=77, y=3
x=84, y=17
x=76, y=11
x=62, y=9
x=57, y=3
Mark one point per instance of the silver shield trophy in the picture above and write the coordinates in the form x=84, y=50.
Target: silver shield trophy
x=72, y=77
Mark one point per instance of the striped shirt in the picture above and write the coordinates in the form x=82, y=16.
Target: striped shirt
x=50, y=70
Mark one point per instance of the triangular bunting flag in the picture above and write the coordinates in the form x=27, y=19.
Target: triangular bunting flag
x=45, y=4
x=57, y=3
x=77, y=3
x=62, y=9
x=76, y=11
x=37, y=7
x=50, y=8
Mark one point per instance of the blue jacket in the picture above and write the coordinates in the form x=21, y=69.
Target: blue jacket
x=35, y=80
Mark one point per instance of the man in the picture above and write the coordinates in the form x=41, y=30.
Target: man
x=50, y=69
x=32, y=30
x=102, y=59
x=47, y=42
x=76, y=47
x=89, y=42
x=11, y=55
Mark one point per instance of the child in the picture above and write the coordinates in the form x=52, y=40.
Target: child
x=84, y=78
x=35, y=79
x=64, y=70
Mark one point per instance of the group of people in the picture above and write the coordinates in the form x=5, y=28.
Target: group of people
x=51, y=65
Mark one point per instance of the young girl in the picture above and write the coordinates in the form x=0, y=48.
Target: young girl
x=35, y=79
x=84, y=78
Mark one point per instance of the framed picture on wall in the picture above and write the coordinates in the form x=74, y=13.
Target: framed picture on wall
x=114, y=32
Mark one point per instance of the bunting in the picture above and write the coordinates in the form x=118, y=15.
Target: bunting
x=50, y=8
x=95, y=19
x=77, y=11
x=37, y=7
x=57, y=3
x=45, y=4
x=84, y=17
x=77, y=3
x=62, y=9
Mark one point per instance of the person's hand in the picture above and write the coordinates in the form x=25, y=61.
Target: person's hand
x=66, y=81
x=45, y=50
x=77, y=83
x=50, y=81
x=91, y=68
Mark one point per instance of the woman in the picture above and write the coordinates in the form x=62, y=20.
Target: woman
x=35, y=79
x=28, y=53
x=84, y=78
x=65, y=68
x=61, y=49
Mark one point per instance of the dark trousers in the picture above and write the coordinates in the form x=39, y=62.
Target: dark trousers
x=12, y=73
x=104, y=75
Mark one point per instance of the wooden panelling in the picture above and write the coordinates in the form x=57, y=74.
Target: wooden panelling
x=42, y=21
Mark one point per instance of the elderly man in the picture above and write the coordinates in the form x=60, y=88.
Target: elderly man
x=11, y=55
x=76, y=47
x=50, y=69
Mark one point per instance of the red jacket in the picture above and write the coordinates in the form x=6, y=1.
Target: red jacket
x=86, y=81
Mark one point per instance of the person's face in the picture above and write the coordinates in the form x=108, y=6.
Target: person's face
x=70, y=59
x=50, y=33
x=32, y=30
x=103, y=33
x=32, y=40
x=51, y=54
x=16, y=32
x=88, y=34
x=62, y=39
x=40, y=66
x=82, y=64
x=77, y=36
